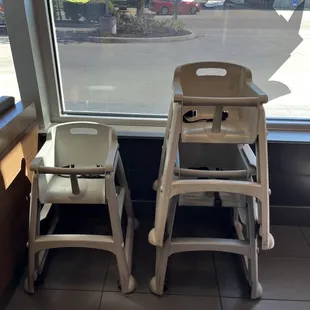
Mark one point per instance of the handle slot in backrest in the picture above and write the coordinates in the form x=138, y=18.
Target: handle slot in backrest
x=211, y=72
x=84, y=131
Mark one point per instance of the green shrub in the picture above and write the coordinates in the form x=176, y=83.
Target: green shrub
x=146, y=25
x=176, y=24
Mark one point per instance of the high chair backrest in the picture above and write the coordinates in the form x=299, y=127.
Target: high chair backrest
x=215, y=79
x=224, y=96
x=81, y=143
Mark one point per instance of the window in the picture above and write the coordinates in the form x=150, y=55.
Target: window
x=114, y=61
x=103, y=74
x=8, y=81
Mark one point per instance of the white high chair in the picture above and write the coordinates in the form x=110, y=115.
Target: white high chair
x=215, y=113
x=77, y=165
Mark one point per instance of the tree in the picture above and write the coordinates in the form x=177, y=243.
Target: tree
x=175, y=14
x=140, y=7
x=57, y=9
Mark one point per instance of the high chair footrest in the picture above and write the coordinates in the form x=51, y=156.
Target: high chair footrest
x=68, y=240
x=209, y=244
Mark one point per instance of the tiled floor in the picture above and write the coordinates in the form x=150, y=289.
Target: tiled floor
x=87, y=279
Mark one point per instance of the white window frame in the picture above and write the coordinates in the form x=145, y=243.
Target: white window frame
x=32, y=39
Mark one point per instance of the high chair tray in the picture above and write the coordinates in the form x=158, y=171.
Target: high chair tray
x=233, y=130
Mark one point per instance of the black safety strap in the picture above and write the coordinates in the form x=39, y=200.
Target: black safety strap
x=193, y=113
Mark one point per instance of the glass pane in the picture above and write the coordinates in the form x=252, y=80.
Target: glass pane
x=8, y=81
x=111, y=63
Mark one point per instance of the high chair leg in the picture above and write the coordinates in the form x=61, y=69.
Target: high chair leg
x=127, y=281
x=256, y=288
x=262, y=178
x=121, y=176
x=38, y=224
x=32, y=231
x=163, y=153
x=132, y=223
x=157, y=283
x=164, y=147
x=156, y=235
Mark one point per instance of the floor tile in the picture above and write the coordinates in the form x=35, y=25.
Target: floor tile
x=55, y=299
x=285, y=278
x=192, y=273
x=306, y=233
x=289, y=242
x=242, y=304
x=282, y=278
x=230, y=274
x=116, y=301
x=76, y=269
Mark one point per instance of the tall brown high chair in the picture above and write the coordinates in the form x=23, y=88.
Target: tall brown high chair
x=216, y=112
x=78, y=164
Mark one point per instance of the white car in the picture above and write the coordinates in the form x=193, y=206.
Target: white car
x=215, y=3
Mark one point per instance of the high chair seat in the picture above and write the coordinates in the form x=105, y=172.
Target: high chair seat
x=233, y=130
x=92, y=191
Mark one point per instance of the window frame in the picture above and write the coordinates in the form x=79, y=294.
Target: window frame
x=37, y=24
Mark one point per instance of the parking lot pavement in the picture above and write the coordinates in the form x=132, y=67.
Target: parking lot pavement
x=137, y=77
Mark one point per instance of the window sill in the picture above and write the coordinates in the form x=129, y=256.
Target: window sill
x=288, y=136
x=301, y=135
x=275, y=136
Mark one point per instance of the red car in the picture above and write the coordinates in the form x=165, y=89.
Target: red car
x=166, y=7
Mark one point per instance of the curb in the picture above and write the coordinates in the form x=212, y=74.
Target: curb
x=180, y=38
x=66, y=24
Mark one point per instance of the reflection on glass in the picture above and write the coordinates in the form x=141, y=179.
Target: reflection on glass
x=8, y=81
x=119, y=56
